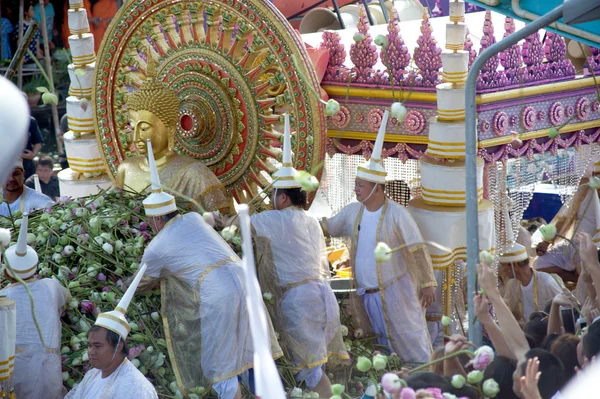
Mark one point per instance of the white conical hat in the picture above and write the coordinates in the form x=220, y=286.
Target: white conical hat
x=515, y=252
x=21, y=257
x=158, y=203
x=18, y=163
x=115, y=320
x=285, y=176
x=373, y=169
x=596, y=238
x=36, y=183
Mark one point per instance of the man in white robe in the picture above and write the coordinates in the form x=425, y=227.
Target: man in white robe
x=38, y=369
x=112, y=375
x=305, y=310
x=390, y=285
x=203, y=296
x=527, y=290
x=18, y=197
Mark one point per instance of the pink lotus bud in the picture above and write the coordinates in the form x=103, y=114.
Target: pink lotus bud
x=101, y=277
x=483, y=356
x=143, y=226
x=88, y=306
x=391, y=383
x=408, y=393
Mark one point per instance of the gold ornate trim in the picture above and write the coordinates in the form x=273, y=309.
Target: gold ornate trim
x=371, y=172
x=162, y=204
x=116, y=320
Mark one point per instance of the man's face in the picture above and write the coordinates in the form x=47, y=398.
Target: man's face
x=156, y=224
x=100, y=351
x=505, y=271
x=44, y=173
x=362, y=189
x=15, y=181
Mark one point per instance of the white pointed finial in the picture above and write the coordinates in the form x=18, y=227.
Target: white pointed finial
x=126, y=299
x=36, y=183
x=21, y=248
x=378, y=147
x=287, y=142
x=154, y=179
x=266, y=378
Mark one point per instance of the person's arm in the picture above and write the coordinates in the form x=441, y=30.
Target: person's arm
x=589, y=258
x=483, y=314
x=563, y=274
x=554, y=320
x=453, y=366
x=335, y=226
x=513, y=335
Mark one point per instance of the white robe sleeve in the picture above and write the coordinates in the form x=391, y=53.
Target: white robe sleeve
x=337, y=226
x=154, y=261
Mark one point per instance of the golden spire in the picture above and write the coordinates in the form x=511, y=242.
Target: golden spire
x=155, y=97
x=150, y=65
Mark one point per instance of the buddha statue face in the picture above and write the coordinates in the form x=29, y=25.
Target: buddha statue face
x=147, y=125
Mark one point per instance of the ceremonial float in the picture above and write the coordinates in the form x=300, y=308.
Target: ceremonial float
x=86, y=174
x=230, y=63
x=537, y=121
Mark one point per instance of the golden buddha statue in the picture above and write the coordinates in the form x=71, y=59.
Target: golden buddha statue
x=154, y=114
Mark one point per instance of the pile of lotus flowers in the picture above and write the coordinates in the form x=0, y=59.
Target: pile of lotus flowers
x=92, y=246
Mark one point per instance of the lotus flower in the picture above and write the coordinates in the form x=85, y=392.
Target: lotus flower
x=484, y=355
x=548, y=232
x=398, y=111
x=337, y=389
x=332, y=107
x=379, y=362
x=486, y=257
x=88, y=306
x=363, y=364
x=307, y=181
x=5, y=237
x=383, y=253
x=408, y=393
x=381, y=40
x=344, y=331
x=391, y=383
x=458, y=381
x=491, y=388
x=267, y=296
x=358, y=37
x=594, y=183
x=475, y=377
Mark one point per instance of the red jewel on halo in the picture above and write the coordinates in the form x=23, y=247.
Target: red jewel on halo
x=186, y=122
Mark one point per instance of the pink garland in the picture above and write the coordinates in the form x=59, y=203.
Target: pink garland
x=531, y=147
x=404, y=151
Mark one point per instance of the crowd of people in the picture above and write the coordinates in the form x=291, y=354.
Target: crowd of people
x=100, y=13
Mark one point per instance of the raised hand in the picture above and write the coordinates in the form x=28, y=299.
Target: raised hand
x=456, y=343
x=482, y=308
x=529, y=382
x=486, y=277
